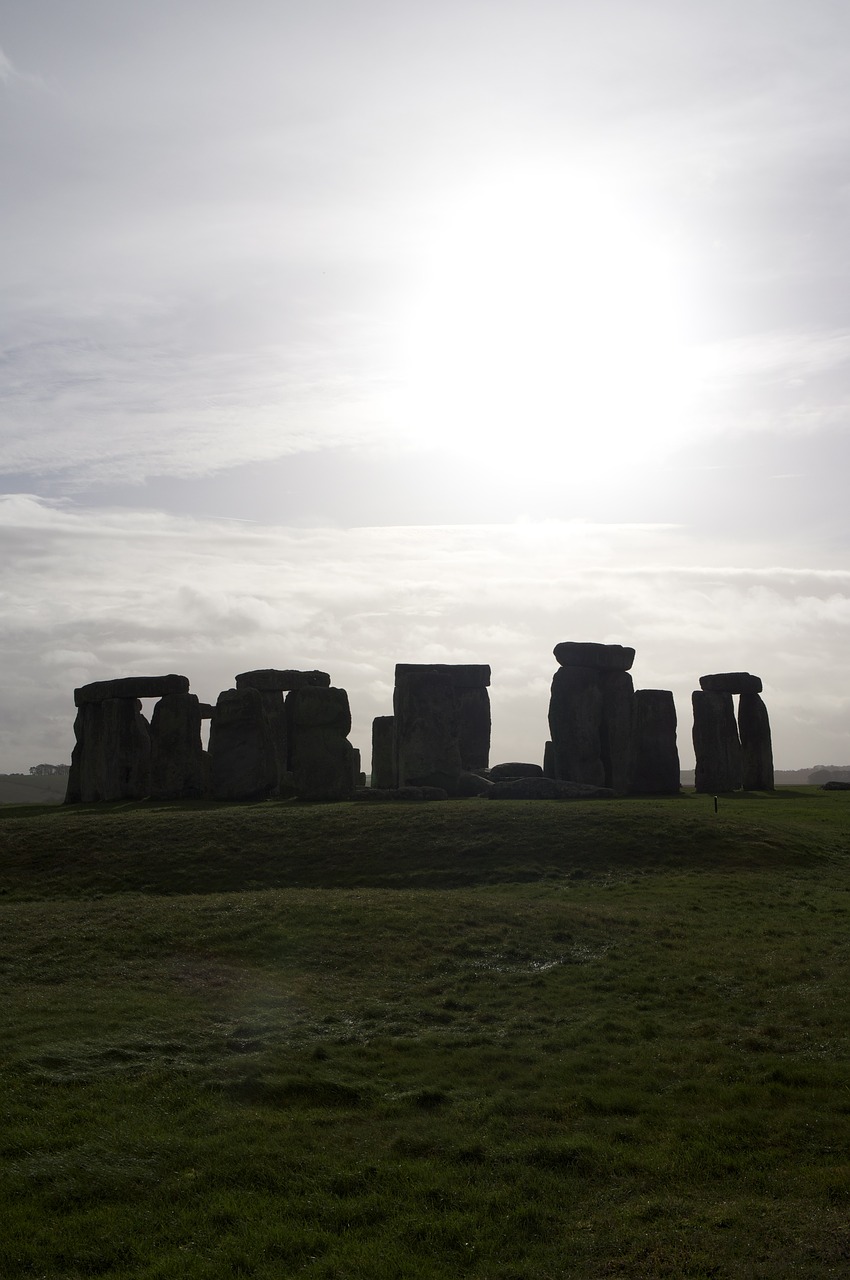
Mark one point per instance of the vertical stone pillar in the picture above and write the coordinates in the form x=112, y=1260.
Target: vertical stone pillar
x=590, y=714
x=473, y=710
x=243, y=764
x=383, y=752
x=323, y=761
x=655, y=756
x=178, y=764
x=756, y=744
x=716, y=744
x=442, y=714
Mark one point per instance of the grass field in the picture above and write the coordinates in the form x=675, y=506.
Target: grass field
x=496, y=1040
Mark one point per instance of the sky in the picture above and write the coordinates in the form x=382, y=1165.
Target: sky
x=354, y=333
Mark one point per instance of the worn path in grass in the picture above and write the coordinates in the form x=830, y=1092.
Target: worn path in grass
x=495, y=1040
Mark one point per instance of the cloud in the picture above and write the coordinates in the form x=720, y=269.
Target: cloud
x=92, y=594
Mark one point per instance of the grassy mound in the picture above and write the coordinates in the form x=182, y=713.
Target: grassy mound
x=500, y=1041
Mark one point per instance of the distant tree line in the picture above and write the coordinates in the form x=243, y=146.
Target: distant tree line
x=40, y=770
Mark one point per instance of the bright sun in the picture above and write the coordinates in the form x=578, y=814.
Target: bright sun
x=547, y=315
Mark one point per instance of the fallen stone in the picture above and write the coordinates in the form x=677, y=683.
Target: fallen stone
x=269, y=680
x=514, y=769
x=130, y=687
x=379, y=795
x=602, y=657
x=472, y=784
x=731, y=682
x=835, y=785
x=547, y=789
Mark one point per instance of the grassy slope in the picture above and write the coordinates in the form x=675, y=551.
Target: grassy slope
x=500, y=1040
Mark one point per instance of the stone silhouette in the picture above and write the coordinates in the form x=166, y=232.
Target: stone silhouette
x=111, y=759
x=442, y=715
x=756, y=743
x=729, y=756
x=112, y=756
x=323, y=760
x=654, y=755
x=590, y=714
x=716, y=744
x=178, y=761
x=383, y=752
x=243, y=761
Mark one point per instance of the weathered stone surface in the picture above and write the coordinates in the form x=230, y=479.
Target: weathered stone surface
x=602, y=657
x=178, y=767
x=549, y=760
x=473, y=713
x=575, y=720
x=206, y=710
x=835, y=785
x=460, y=675
x=383, y=752
x=270, y=680
x=243, y=765
x=515, y=769
x=111, y=758
x=130, y=687
x=323, y=762
x=731, y=682
x=275, y=712
x=716, y=744
x=383, y=795
x=472, y=784
x=427, y=728
x=546, y=789
x=615, y=730
x=756, y=745
x=655, y=755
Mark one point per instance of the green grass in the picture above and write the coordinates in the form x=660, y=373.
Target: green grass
x=496, y=1040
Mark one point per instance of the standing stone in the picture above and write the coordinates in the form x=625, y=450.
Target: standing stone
x=178, y=761
x=616, y=729
x=243, y=765
x=323, y=761
x=655, y=756
x=549, y=760
x=111, y=758
x=575, y=720
x=274, y=710
x=438, y=720
x=383, y=752
x=756, y=745
x=716, y=744
x=473, y=710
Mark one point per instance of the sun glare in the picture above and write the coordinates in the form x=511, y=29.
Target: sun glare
x=548, y=315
